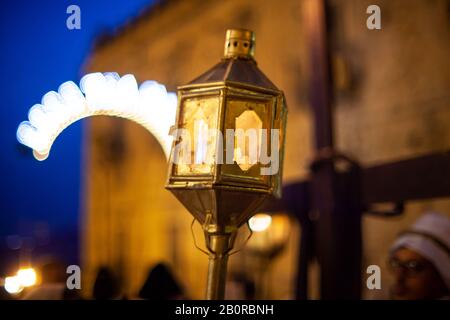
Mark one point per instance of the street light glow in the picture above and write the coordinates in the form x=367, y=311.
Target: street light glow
x=27, y=277
x=260, y=222
x=150, y=105
x=13, y=285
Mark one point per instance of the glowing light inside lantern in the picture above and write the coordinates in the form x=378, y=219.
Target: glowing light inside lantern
x=150, y=105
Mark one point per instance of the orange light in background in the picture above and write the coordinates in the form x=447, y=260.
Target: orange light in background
x=27, y=277
x=271, y=232
x=13, y=285
x=270, y=237
x=260, y=222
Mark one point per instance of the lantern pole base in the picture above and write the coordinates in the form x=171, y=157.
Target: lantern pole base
x=219, y=246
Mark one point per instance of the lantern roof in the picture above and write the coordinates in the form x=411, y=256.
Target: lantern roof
x=236, y=70
x=238, y=63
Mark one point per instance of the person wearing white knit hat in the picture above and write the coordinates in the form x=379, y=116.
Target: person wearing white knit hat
x=420, y=260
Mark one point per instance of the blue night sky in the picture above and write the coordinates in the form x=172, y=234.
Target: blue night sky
x=38, y=53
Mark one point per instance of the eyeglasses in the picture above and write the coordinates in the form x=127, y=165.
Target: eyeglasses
x=411, y=267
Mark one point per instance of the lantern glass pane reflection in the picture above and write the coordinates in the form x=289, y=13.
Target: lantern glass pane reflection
x=247, y=146
x=199, y=117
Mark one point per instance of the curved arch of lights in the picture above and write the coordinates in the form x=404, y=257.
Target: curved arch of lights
x=149, y=104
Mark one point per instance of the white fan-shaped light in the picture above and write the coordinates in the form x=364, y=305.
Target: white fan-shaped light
x=104, y=94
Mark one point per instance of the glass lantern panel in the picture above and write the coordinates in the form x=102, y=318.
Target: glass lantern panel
x=247, y=143
x=199, y=118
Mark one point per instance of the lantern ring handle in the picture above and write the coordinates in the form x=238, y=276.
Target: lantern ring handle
x=195, y=241
x=232, y=252
x=245, y=242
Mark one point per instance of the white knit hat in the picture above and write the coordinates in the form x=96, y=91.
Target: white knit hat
x=430, y=237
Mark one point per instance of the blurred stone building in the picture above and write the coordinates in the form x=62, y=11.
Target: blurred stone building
x=392, y=102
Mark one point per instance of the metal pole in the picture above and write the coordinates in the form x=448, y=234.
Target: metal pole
x=219, y=246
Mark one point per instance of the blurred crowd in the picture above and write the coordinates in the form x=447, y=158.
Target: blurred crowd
x=419, y=260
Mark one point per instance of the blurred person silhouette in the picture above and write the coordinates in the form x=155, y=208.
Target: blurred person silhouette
x=420, y=260
x=161, y=285
x=240, y=287
x=106, y=285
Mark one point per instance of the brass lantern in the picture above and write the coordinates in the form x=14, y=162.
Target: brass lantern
x=230, y=126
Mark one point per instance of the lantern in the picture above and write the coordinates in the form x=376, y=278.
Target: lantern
x=228, y=148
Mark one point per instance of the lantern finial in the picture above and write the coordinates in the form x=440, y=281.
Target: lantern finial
x=239, y=43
